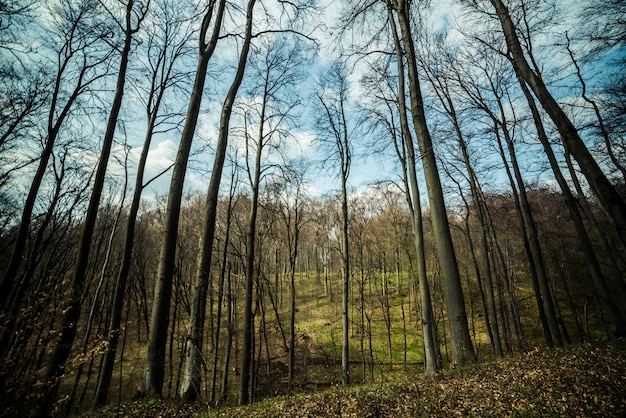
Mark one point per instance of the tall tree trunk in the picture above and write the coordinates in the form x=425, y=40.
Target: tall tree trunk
x=119, y=295
x=190, y=389
x=603, y=243
x=345, y=345
x=462, y=349
x=545, y=323
x=616, y=321
x=154, y=372
x=248, y=315
x=335, y=119
x=69, y=324
x=535, y=247
x=491, y=302
x=293, y=241
x=488, y=228
x=220, y=288
x=511, y=304
x=599, y=183
x=432, y=360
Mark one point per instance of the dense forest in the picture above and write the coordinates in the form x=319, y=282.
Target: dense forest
x=220, y=202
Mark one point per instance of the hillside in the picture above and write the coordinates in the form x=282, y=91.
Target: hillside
x=585, y=380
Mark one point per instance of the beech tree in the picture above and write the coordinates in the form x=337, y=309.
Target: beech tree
x=190, y=387
x=80, y=56
x=133, y=15
x=167, y=41
x=436, y=70
x=429, y=328
x=209, y=34
x=277, y=63
x=462, y=349
x=599, y=183
x=334, y=135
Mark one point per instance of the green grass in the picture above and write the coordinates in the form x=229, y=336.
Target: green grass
x=318, y=345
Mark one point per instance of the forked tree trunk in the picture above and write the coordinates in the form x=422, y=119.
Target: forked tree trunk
x=154, y=373
x=190, y=389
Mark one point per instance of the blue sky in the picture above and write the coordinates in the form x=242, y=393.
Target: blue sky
x=367, y=167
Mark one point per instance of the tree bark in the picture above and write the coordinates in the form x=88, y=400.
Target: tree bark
x=154, y=372
x=616, y=321
x=432, y=360
x=69, y=323
x=462, y=349
x=248, y=316
x=599, y=183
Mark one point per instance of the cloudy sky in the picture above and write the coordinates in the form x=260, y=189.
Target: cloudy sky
x=370, y=165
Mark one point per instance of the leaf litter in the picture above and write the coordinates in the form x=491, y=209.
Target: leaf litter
x=587, y=380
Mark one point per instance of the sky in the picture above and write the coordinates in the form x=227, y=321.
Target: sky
x=369, y=165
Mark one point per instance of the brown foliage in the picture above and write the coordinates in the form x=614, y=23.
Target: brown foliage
x=586, y=380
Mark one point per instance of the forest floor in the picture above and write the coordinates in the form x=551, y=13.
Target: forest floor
x=583, y=381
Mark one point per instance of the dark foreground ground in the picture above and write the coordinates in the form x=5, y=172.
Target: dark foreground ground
x=583, y=381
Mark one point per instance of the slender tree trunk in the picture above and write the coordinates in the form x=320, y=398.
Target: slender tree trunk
x=430, y=339
x=220, y=289
x=491, y=302
x=154, y=372
x=190, y=389
x=547, y=329
x=603, y=243
x=247, y=352
x=487, y=224
x=599, y=183
x=345, y=346
x=535, y=247
x=96, y=299
x=616, y=321
x=229, y=341
x=119, y=296
x=462, y=349
x=293, y=240
x=69, y=324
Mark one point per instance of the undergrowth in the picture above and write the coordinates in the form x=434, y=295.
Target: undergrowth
x=585, y=380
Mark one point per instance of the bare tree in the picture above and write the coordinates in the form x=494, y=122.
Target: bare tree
x=334, y=134
x=133, y=15
x=429, y=328
x=79, y=66
x=435, y=69
x=167, y=41
x=152, y=382
x=462, y=349
x=599, y=183
x=277, y=63
x=190, y=388
x=616, y=321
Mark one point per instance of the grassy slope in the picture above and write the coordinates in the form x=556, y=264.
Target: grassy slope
x=586, y=380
